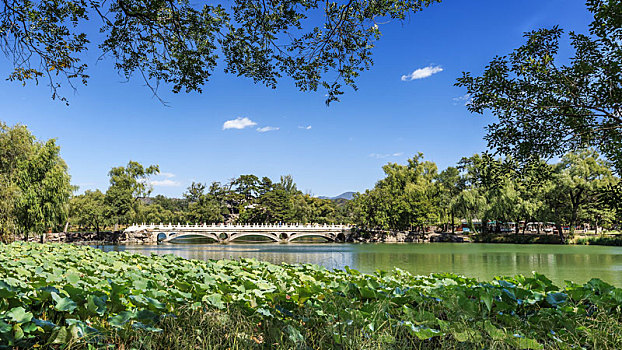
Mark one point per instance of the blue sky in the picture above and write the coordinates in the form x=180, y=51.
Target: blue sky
x=328, y=150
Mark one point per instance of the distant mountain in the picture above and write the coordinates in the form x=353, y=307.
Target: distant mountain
x=346, y=195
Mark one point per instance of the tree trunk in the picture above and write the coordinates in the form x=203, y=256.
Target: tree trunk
x=452, y=222
x=560, y=231
x=471, y=226
x=573, y=222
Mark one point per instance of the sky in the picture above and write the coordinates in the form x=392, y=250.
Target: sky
x=407, y=103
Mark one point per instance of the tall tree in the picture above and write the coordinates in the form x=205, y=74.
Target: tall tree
x=88, y=210
x=580, y=179
x=194, y=192
x=35, y=187
x=449, y=188
x=202, y=207
x=547, y=107
x=127, y=185
x=317, y=43
x=406, y=198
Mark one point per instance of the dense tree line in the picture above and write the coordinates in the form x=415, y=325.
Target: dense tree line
x=580, y=188
x=36, y=195
x=245, y=199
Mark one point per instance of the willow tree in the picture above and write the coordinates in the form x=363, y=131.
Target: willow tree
x=318, y=44
x=406, y=198
x=581, y=180
x=34, y=183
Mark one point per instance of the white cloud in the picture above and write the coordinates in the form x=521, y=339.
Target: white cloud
x=238, y=123
x=421, y=73
x=164, y=183
x=267, y=128
x=466, y=99
x=308, y=127
x=167, y=175
x=386, y=155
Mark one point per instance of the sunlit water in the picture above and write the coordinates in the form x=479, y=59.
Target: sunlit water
x=482, y=261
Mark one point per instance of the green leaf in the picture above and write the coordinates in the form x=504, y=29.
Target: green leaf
x=121, y=319
x=486, y=298
x=525, y=343
x=6, y=291
x=147, y=315
x=264, y=312
x=4, y=327
x=18, y=333
x=294, y=334
x=19, y=315
x=96, y=304
x=45, y=325
x=367, y=293
x=59, y=336
x=140, y=325
x=73, y=277
x=422, y=332
x=140, y=284
x=63, y=304
x=467, y=335
x=556, y=298
x=494, y=332
x=214, y=300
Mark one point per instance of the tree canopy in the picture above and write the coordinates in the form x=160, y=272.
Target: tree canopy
x=34, y=183
x=318, y=44
x=127, y=185
x=546, y=107
x=493, y=191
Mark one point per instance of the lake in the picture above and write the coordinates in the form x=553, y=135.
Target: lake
x=482, y=261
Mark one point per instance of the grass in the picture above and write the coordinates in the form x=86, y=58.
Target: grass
x=599, y=240
x=518, y=239
x=195, y=329
x=65, y=296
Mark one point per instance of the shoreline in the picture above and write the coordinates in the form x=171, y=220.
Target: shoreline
x=358, y=236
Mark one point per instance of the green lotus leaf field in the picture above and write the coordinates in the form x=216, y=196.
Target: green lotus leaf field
x=66, y=296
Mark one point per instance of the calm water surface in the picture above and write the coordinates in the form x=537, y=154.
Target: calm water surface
x=482, y=261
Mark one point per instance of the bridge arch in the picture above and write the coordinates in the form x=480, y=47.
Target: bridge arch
x=175, y=236
x=234, y=236
x=327, y=236
x=162, y=236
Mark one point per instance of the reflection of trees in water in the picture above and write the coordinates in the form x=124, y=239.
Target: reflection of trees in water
x=484, y=266
x=558, y=263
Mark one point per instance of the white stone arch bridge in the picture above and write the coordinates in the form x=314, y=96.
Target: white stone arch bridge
x=224, y=233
